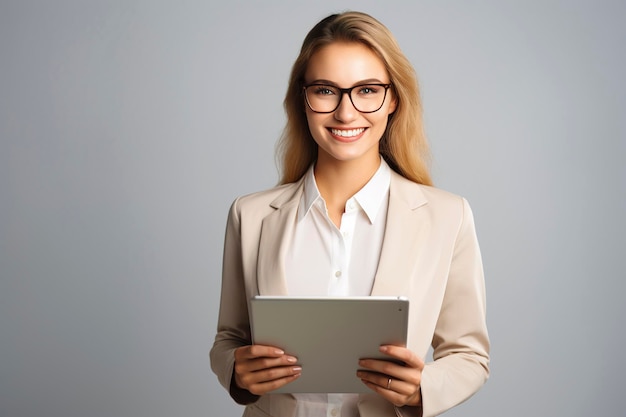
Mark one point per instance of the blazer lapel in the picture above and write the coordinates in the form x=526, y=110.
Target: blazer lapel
x=403, y=236
x=276, y=232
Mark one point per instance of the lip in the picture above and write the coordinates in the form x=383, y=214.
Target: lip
x=347, y=135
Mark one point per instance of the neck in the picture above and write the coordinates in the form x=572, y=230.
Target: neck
x=338, y=181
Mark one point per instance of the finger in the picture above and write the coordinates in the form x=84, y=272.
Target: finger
x=262, y=382
x=393, y=397
x=257, y=357
x=391, y=394
x=257, y=351
x=267, y=387
x=387, y=369
x=263, y=363
x=387, y=383
x=273, y=374
x=384, y=367
x=403, y=354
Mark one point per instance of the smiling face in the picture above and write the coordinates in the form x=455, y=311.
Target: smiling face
x=347, y=134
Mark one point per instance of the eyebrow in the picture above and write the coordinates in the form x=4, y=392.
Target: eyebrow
x=362, y=82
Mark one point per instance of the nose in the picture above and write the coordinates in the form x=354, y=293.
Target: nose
x=346, y=111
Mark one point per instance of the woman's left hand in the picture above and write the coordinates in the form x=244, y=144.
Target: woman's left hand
x=399, y=384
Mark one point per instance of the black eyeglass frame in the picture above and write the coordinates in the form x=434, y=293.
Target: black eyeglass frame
x=343, y=92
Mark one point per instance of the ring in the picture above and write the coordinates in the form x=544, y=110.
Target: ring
x=389, y=383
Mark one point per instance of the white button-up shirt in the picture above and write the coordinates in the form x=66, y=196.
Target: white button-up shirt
x=325, y=260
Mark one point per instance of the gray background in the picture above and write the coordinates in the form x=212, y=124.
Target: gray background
x=128, y=127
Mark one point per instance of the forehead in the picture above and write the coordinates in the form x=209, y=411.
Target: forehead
x=345, y=64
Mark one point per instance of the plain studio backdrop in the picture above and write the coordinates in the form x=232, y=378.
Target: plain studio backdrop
x=128, y=127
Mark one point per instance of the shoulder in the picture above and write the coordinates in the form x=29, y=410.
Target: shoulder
x=267, y=200
x=419, y=194
x=442, y=207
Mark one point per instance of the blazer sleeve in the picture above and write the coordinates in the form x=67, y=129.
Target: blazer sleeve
x=460, y=341
x=233, y=328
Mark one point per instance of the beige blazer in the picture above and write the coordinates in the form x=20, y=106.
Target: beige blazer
x=430, y=254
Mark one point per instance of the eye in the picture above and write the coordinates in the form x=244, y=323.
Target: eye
x=366, y=90
x=324, y=90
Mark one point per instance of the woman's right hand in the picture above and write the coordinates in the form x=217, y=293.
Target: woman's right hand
x=261, y=369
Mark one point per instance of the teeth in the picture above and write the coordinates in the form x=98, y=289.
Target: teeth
x=347, y=133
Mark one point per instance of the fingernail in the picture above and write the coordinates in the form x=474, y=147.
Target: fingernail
x=296, y=369
x=279, y=352
x=291, y=359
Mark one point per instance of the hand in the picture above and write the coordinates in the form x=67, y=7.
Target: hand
x=261, y=369
x=399, y=384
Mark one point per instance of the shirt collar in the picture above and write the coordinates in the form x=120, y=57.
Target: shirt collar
x=369, y=198
x=372, y=195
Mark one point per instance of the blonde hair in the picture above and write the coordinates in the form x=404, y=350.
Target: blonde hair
x=403, y=144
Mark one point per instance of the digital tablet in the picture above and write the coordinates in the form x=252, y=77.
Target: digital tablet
x=329, y=335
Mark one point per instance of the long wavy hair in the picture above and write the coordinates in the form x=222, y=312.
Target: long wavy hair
x=403, y=144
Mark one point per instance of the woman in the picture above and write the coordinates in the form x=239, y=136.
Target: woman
x=355, y=215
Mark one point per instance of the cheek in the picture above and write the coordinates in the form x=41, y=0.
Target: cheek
x=314, y=122
x=381, y=122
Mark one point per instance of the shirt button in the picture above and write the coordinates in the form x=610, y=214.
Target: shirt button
x=334, y=412
x=337, y=274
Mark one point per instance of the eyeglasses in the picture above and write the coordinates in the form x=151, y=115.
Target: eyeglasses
x=366, y=98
